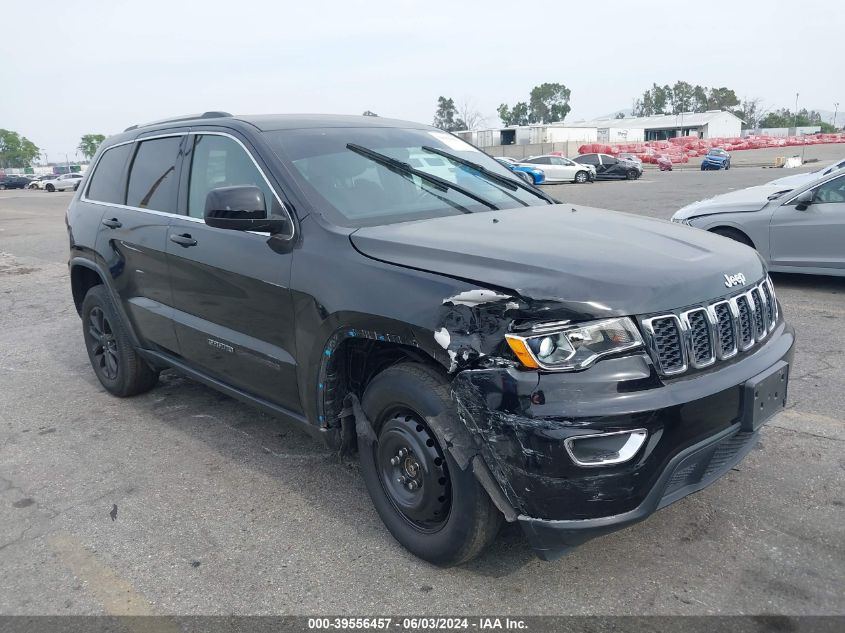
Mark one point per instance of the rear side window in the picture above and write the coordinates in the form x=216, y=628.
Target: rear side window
x=107, y=180
x=152, y=178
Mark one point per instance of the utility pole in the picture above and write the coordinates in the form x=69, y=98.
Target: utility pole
x=835, y=112
x=796, y=114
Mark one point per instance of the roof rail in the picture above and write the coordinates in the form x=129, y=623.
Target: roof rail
x=211, y=114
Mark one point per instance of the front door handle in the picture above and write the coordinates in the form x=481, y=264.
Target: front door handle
x=184, y=239
x=114, y=223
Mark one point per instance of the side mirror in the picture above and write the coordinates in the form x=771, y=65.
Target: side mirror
x=240, y=208
x=804, y=199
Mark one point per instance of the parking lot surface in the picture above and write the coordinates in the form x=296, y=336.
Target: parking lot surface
x=183, y=501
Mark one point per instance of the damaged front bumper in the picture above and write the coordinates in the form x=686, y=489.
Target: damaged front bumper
x=520, y=420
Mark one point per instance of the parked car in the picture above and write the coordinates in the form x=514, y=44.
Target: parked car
x=796, y=180
x=61, y=183
x=490, y=354
x=716, y=158
x=529, y=174
x=800, y=230
x=13, y=182
x=561, y=169
x=664, y=162
x=38, y=181
x=610, y=168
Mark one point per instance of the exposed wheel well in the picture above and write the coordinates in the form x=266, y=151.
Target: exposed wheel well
x=353, y=364
x=734, y=234
x=82, y=279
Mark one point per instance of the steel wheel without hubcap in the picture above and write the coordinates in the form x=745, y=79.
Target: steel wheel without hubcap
x=103, y=344
x=413, y=472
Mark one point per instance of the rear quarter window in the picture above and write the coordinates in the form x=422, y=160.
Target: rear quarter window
x=107, y=184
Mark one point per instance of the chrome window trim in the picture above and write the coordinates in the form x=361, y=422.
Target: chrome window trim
x=686, y=336
x=84, y=197
x=649, y=328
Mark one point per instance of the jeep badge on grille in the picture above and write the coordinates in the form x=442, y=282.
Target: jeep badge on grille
x=735, y=280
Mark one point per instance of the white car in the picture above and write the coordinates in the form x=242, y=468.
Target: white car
x=796, y=180
x=64, y=182
x=560, y=169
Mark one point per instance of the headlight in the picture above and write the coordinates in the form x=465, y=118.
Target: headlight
x=573, y=347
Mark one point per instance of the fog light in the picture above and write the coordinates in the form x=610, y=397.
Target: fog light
x=605, y=449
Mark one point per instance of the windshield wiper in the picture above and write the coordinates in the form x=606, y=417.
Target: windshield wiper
x=402, y=168
x=510, y=183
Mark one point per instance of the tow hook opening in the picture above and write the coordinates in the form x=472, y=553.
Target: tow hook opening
x=605, y=449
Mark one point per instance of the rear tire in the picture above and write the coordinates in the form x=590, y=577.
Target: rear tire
x=50, y=188
x=2, y=187
x=581, y=177
x=632, y=174
x=447, y=517
x=117, y=365
x=734, y=234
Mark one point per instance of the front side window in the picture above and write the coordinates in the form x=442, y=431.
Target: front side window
x=608, y=160
x=588, y=159
x=152, y=177
x=219, y=161
x=831, y=191
x=106, y=183
x=354, y=189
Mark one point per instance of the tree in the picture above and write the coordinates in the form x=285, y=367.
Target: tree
x=16, y=150
x=803, y=118
x=518, y=115
x=682, y=97
x=89, y=143
x=699, y=99
x=722, y=99
x=369, y=113
x=620, y=115
x=548, y=103
x=469, y=116
x=446, y=116
x=750, y=113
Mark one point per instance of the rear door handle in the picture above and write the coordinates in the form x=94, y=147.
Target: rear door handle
x=184, y=239
x=114, y=223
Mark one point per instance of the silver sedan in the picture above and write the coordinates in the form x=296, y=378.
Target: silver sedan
x=798, y=230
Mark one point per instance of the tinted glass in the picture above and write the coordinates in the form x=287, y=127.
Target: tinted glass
x=355, y=190
x=542, y=160
x=152, y=178
x=106, y=183
x=608, y=160
x=588, y=159
x=219, y=161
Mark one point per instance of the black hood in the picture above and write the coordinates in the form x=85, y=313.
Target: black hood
x=591, y=260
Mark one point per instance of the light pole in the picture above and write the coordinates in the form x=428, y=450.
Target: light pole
x=796, y=114
x=835, y=112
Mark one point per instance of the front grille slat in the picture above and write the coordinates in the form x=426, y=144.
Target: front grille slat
x=700, y=336
x=666, y=334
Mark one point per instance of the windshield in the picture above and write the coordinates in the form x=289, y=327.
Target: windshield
x=717, y=152
x=354, y=190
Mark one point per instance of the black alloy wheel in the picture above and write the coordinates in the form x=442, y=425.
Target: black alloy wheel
x=413, y=472
x=103, y=344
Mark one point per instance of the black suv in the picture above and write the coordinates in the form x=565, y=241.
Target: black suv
x=490, y=353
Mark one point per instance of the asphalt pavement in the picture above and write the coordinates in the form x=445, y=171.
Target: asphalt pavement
x=184, y=501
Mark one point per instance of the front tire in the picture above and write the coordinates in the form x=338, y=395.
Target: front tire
x=114, y=360
x=632, y=174
x=437, y=511
x=581, y=177
x=50, y=188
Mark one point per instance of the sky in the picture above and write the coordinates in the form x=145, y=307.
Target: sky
x=100, y=66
